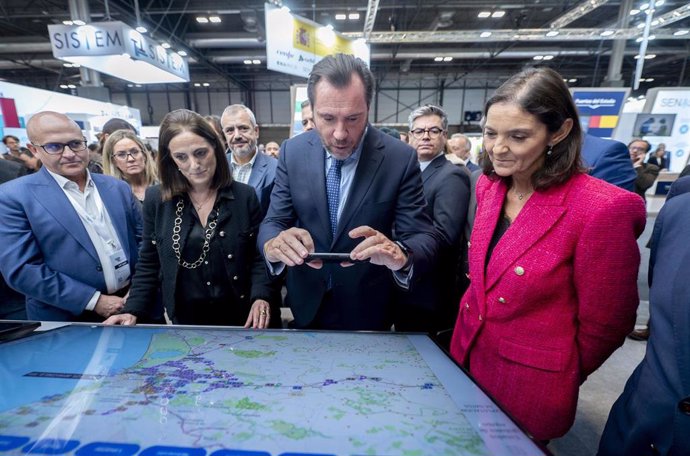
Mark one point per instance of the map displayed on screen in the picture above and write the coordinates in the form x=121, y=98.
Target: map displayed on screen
x=175, y=391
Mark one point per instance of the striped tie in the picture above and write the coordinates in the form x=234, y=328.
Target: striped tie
x=333, y=192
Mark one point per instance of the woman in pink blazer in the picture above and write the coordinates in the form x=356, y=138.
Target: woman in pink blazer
x=553, y=259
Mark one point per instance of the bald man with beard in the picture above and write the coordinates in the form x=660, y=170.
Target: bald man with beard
x=69, y=238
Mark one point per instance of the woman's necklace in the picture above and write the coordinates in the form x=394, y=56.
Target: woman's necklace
x=199, y=205
x=520, y=195
x=208, y=234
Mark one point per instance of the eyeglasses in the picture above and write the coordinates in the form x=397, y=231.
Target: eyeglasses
x=434, y=132
x=122, y=156
x=58, y=148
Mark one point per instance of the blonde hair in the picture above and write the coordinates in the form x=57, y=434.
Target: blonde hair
x=111, y=169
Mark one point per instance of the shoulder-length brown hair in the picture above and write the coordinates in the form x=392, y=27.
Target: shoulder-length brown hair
x=173, y=183
x=542, y=93
x=111, y=169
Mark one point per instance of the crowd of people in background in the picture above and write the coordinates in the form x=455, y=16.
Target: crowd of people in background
x=521, y=259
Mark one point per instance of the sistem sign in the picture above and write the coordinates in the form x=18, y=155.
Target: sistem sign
x=116, y=49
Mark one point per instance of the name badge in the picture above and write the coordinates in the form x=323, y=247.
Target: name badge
x=121, y=265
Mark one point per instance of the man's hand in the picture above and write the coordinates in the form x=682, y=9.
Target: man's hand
x=291, y=247
x=121, y=319
x=639, y=160
x=108, y=305
x=259, y=315
x=377, y=248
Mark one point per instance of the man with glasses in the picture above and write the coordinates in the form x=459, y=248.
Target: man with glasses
x=646, y=173
x=345, y=188
x=431, y=306
x=248, y=166
x=68, y=239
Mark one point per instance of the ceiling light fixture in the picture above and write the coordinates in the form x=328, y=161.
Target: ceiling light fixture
x=256, y=62
x=484, y=34
x=498, y=14
x=141, y=29
x=165, y=45
x=78, y=22
x=680, y=33
x=340, y=17
x=438, y=59
x=182, y=53
x=68, y=22
x=447, y=59
x=484, y=14
x=552, y=33
x=206, y=84
x=634, y=12
x=607, y=33
x=572, y=80
x=548, y=57
x=197, y=84
x=215, y=19
x=538, y=57
x=353, y=16
x=247, y=62
x=202, y=20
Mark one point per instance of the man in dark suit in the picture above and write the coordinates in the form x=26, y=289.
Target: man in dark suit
x=431, y=305
x=345, y=187
x=609, y=160
x=652, y=416
x=246, y=163
x=69, y=239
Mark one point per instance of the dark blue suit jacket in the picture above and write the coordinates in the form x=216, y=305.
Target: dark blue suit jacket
x=262, y=177
x=431, y=304
x=654, y=408
x=681, y=185
x=609, y=160
x=386, y=194
x=45, y=251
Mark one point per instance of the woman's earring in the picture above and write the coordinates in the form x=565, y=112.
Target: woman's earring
x=549, y=151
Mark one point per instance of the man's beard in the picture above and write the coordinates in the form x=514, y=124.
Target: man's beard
x=243, y=151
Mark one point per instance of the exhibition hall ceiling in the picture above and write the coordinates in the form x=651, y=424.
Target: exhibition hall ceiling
x=414, y=43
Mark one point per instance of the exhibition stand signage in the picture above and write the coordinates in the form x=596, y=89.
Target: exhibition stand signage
x=116, y=49
x=294, y=44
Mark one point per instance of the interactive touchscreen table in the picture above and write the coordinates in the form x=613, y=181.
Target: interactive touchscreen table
x=186, y=391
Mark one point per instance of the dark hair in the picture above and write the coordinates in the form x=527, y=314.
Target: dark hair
x=6, y=137
x=542, y=93
x=390, y=131
x=117, y=124
x=305, y=104
x=173, y=183
x=215, y=123
x=338, y=70
x=647, y=144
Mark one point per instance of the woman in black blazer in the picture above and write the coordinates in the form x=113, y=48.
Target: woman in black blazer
x=199, y=242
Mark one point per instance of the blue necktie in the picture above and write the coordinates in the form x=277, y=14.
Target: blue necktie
x=333, y=192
